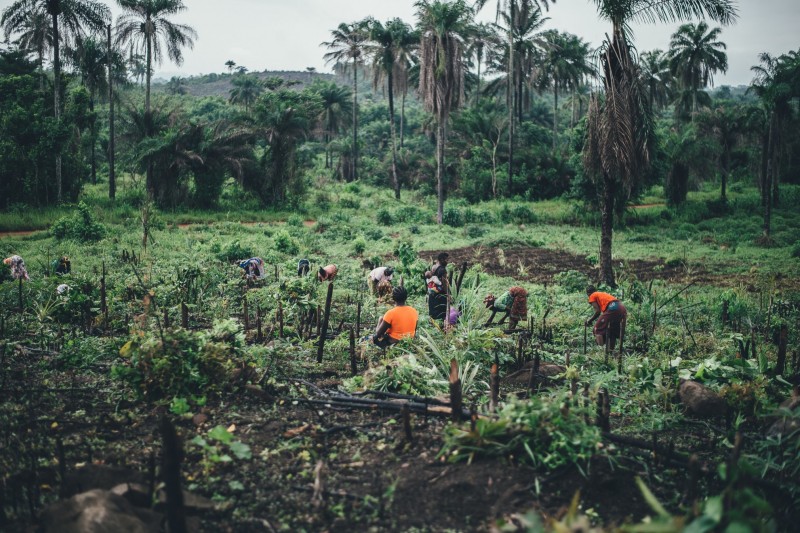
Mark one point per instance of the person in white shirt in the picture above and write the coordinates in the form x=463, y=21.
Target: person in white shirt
x=377, y=275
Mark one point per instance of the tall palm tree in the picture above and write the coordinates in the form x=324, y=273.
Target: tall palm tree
x=69, y=19
x=513, y=12
x=385, y=47
x=90, y=57
x=482, y=37
x=566, y=66
x=348, y=44
x=336, y=104
x=656, y=77
x=246, y=89
x=619, y=130
x=727, y=124
x=777, y=83
x=695, y=55
x=34, y=33
x=443, y=27
x=147, y=26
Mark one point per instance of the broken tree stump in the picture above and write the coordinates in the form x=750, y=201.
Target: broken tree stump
x=455, y=391
x=494, y=388
x=324, y=332
x=700, y=400
x=172, y=455
x=353, y=361
x=780, y=366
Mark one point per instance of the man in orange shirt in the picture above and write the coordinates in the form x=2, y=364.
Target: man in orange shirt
x=611, y=312
x=398, y=322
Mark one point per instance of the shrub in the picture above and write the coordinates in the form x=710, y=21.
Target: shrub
x=80, y=226
x=284, y=243
x=796, y=250
x=572, y=280
x=349, y=202
x=453, y=217
x=181, y=362
x=373, y=233
x=233, y=251
x=473, y=232
x=384, y=217
x=359, y=245
x=295, y=221
x=322, y=200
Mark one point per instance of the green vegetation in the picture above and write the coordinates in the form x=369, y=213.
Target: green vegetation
x=511, y=157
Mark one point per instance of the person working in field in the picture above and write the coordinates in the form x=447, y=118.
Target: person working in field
x=62, y=266
x=17, y=267
x=438, y=287
x=400, y=321
x=514, y=302
x=612, y=316
x=327, y=273
x=377, y=276
x=253, y=268
x=302, y=267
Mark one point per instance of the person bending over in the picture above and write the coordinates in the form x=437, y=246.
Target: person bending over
x=514, y=302
x=400, y=321
x=302, y=267
x=378, y=275
x=611, y=312
x=327, y=273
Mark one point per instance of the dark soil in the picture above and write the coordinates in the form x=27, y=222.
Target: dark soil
x=540, y=265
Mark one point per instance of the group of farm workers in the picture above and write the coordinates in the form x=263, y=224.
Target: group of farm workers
x=401, y=320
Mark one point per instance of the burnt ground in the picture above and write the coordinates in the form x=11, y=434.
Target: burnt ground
x=540, y=265
x=74, y=432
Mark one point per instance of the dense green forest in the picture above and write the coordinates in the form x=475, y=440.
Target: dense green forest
x=521, y=150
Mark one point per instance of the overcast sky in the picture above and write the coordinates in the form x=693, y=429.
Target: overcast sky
x=286, y=34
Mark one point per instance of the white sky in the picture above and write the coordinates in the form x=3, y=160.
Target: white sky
x=286, y=34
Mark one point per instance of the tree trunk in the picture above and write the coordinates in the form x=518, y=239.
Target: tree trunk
x=402, y=118
x=555, y=116
x=478, y=89
x=724, y=174
x=93, y=137
x=764, y=165
x=606, y=232
x=148, y=116
x=440, y=140
x=768, y=179
x=112, y=182
x=57, y=99
x=395, y=180
x=355, y=121
x=511, y=89
x=778, y=155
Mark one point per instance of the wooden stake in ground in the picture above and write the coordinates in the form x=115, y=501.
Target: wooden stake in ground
x=259, y=332
x=461, y=277
x=21, y=305
x=172, y=454
x=585, y=332
x=782, y=340
x=455, y=392
x=353, y=361
x=280, y=317
x=655, y=310
x=103, y=306
x=246, y=313
x=358, y=319
x=494, y=389
x=184, y=315
x=324, y=332
x=603, y=411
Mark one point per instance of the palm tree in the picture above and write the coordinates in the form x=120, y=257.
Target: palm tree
x=91, y=57
x=656, y=77
x=482, y=37
x=246, y=89
x=147, y=26
x=230, y=64
x=695, y=55
x=443, y=27
x=385, y=46
x=69, y=19
x=566, y=66
x=515, y=13
x=35, y=33
x=176, y=86
x=777, y=83
x=619, y=130
x=336, y=104
x=727, y=124
x=348, y=44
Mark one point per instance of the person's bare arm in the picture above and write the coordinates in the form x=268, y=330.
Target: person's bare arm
x=382, y=328
x=596, y=314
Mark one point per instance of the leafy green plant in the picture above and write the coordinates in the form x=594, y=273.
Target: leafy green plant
x=219, y=445
x=180, y=362
x=80, y=226
x=547, y=431
x=284, y=243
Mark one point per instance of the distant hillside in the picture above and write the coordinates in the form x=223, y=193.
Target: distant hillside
x=220, y=84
